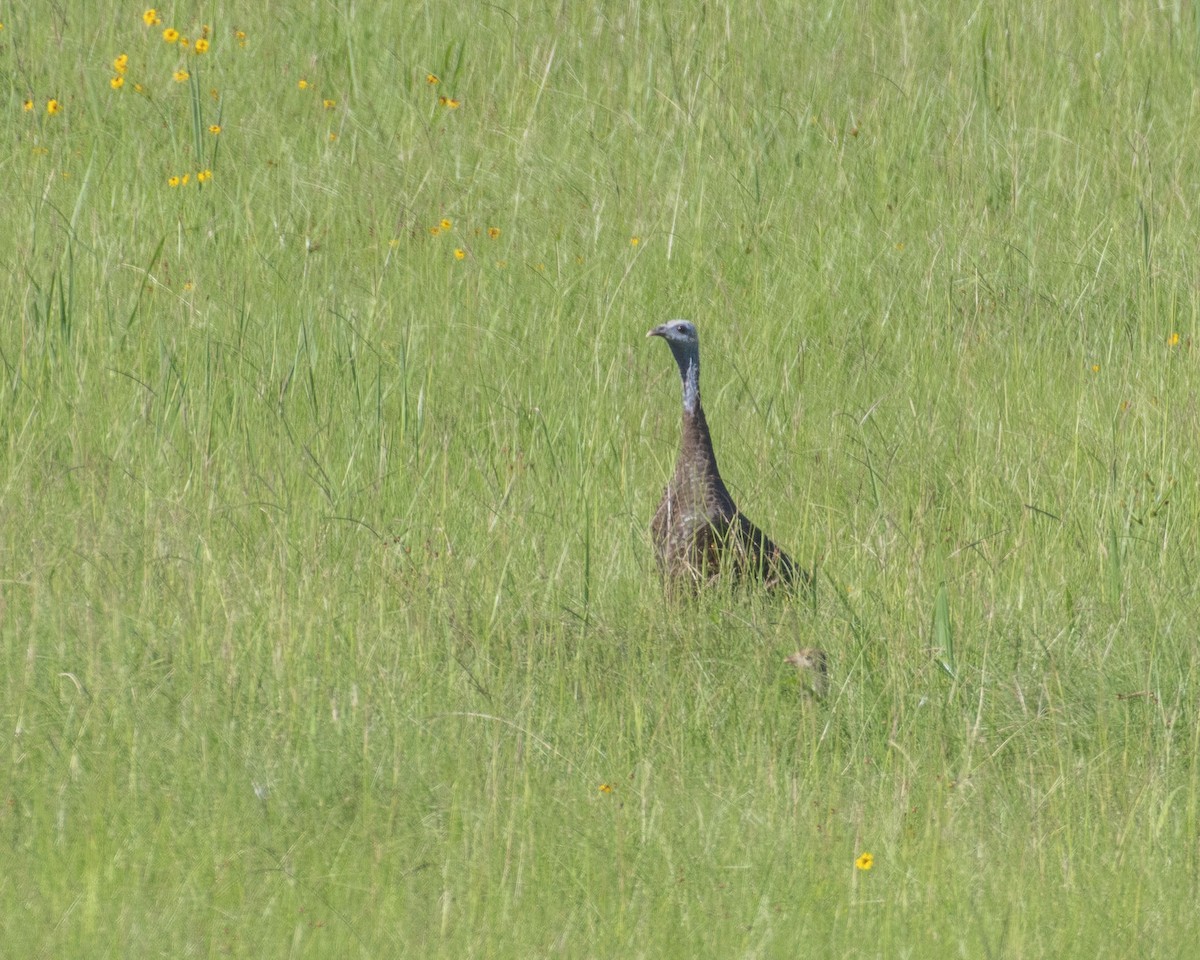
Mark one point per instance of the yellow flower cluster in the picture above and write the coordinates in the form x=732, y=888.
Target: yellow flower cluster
x=170, y=35
x=445, y=225
x=53, y=106
x=450, y=102
x=192, y=46
x=327, y=103
x=120, y=65
x=119, y=79
x=182, y=180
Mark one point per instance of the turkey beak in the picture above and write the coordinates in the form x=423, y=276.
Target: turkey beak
x=657, y=332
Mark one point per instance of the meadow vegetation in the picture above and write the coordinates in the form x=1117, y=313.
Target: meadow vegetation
x=329, y=623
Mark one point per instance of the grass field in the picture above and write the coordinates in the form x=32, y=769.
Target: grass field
x=329, y=621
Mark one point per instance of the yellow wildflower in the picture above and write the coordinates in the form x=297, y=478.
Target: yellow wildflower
x=431, y=78
x=27, y=106
x=1173, y=340
x=453, y=104
x=303, y=84
x=138, y=88
x=181, y=76
x=332, y=136
x=173, y=181
x=53, y=106
x=445, y=224
x=203, y=176
x=606, y=788
x=1095, y=368
x=215, y=129
x=116, y=82
x=434, y=231
x=121, y=64
x=201, y=46
x=493, y=233
x=184, y=179
x=241, y=37
x=183, y=42
x=151, y=18
x=188, y=286
x=459, y=253
x=634, y=241
x=865, y=862
x=328, y=104
x=171, y=35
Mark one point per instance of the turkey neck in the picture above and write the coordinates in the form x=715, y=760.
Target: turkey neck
x=697, y=449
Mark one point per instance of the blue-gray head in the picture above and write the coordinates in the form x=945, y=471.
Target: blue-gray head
x=684, y=342
x=677, y=333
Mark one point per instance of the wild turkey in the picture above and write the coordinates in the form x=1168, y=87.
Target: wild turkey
x=699, y=534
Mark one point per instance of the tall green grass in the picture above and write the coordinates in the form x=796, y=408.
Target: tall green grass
x=329, y=624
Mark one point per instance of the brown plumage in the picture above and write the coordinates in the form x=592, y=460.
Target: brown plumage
x=812, y=667
x=699, y=533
